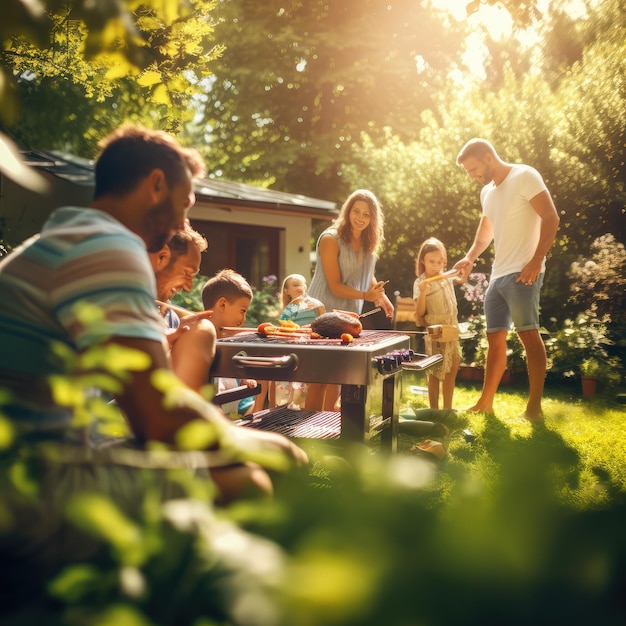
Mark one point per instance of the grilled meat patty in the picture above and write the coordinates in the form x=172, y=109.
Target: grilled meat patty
x=334, y=324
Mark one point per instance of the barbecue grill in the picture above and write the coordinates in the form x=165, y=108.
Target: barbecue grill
x=369, y=370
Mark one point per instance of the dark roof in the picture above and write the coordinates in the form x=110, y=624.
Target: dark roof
x=211, y=191
x=63, y=165
x=238, y=194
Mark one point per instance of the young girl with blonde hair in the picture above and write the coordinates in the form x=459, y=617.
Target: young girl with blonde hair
x=298, y=306
x=302, y=309
x=435, y=304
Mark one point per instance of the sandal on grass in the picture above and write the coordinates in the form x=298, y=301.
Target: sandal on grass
x=432, y=449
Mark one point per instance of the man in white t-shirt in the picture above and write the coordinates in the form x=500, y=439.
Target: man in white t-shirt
x=519, y=216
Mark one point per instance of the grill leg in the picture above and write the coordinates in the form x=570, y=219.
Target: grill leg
x=355, y=412
x=354, y=422
x=391, y=411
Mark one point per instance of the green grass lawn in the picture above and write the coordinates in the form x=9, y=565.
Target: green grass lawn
x=524, y=524
x=588, y=435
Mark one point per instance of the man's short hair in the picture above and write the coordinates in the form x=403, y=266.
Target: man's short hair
x=131, y=152
x=179, y=243
x=225, y=284
x=476, y=148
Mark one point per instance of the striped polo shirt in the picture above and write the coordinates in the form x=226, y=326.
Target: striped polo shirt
x=83, y=279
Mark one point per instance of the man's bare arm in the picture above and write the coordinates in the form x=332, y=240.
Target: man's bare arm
x=543, y=205
x=482, y=239
x=150, y=419
x=143, y=403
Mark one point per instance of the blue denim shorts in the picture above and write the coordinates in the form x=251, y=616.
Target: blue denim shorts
x=507, y=301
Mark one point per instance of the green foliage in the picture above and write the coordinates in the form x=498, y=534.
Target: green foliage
x=117, y=540
x=265, y=305
x=599, y=280
x=103, y=64
x=472, y=332
x=336, y=69
x=191, y=300
x=583, y=340
x=593, y=367
x=502, y=513
x=367, y=539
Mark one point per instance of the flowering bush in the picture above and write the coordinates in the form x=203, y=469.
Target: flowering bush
x=265, y=305
x=599, y=282
x=473, y=328
x=578, y=341
x=471, y=332
x=474, y=291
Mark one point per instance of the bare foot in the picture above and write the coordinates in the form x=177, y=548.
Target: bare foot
x=479, y=408
x=535, y=417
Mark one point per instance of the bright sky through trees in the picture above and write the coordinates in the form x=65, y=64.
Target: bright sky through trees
x=497, y=21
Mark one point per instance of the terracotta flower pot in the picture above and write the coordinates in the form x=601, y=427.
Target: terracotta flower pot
x=507, y=378
x=470, y=372
x=589, y=385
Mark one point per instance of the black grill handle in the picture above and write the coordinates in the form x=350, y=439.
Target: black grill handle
x=288, y=362
x=235, y=394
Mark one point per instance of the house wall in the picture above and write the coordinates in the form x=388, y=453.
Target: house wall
x=295, y=234
x=23, y=213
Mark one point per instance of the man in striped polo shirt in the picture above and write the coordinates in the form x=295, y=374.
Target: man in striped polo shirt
x=86, y=281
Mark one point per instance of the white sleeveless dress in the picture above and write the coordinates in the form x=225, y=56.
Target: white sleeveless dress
x=357, y=270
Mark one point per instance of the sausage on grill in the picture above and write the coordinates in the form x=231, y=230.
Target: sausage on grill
x=335, y=323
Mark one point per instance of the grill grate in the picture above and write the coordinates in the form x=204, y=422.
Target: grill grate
x=298, y=424
x=366, y=338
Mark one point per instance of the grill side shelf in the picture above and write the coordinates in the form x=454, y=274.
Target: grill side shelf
x=422, y=364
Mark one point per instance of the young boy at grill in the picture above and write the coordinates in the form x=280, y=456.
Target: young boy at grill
x=229, y=295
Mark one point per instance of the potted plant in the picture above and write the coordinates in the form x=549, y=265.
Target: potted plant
x=595, y=370
x=583, y=341
x=589, y=370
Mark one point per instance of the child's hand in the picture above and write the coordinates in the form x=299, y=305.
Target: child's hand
x=249, y=382
x=173, y=334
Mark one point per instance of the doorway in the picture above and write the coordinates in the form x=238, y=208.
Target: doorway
x=253, y=251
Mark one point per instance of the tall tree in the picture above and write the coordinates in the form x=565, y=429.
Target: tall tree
x=592, y=130
x=300, y=80
x=573, y=132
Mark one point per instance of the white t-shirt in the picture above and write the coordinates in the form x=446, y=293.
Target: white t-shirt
x=516, y=226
